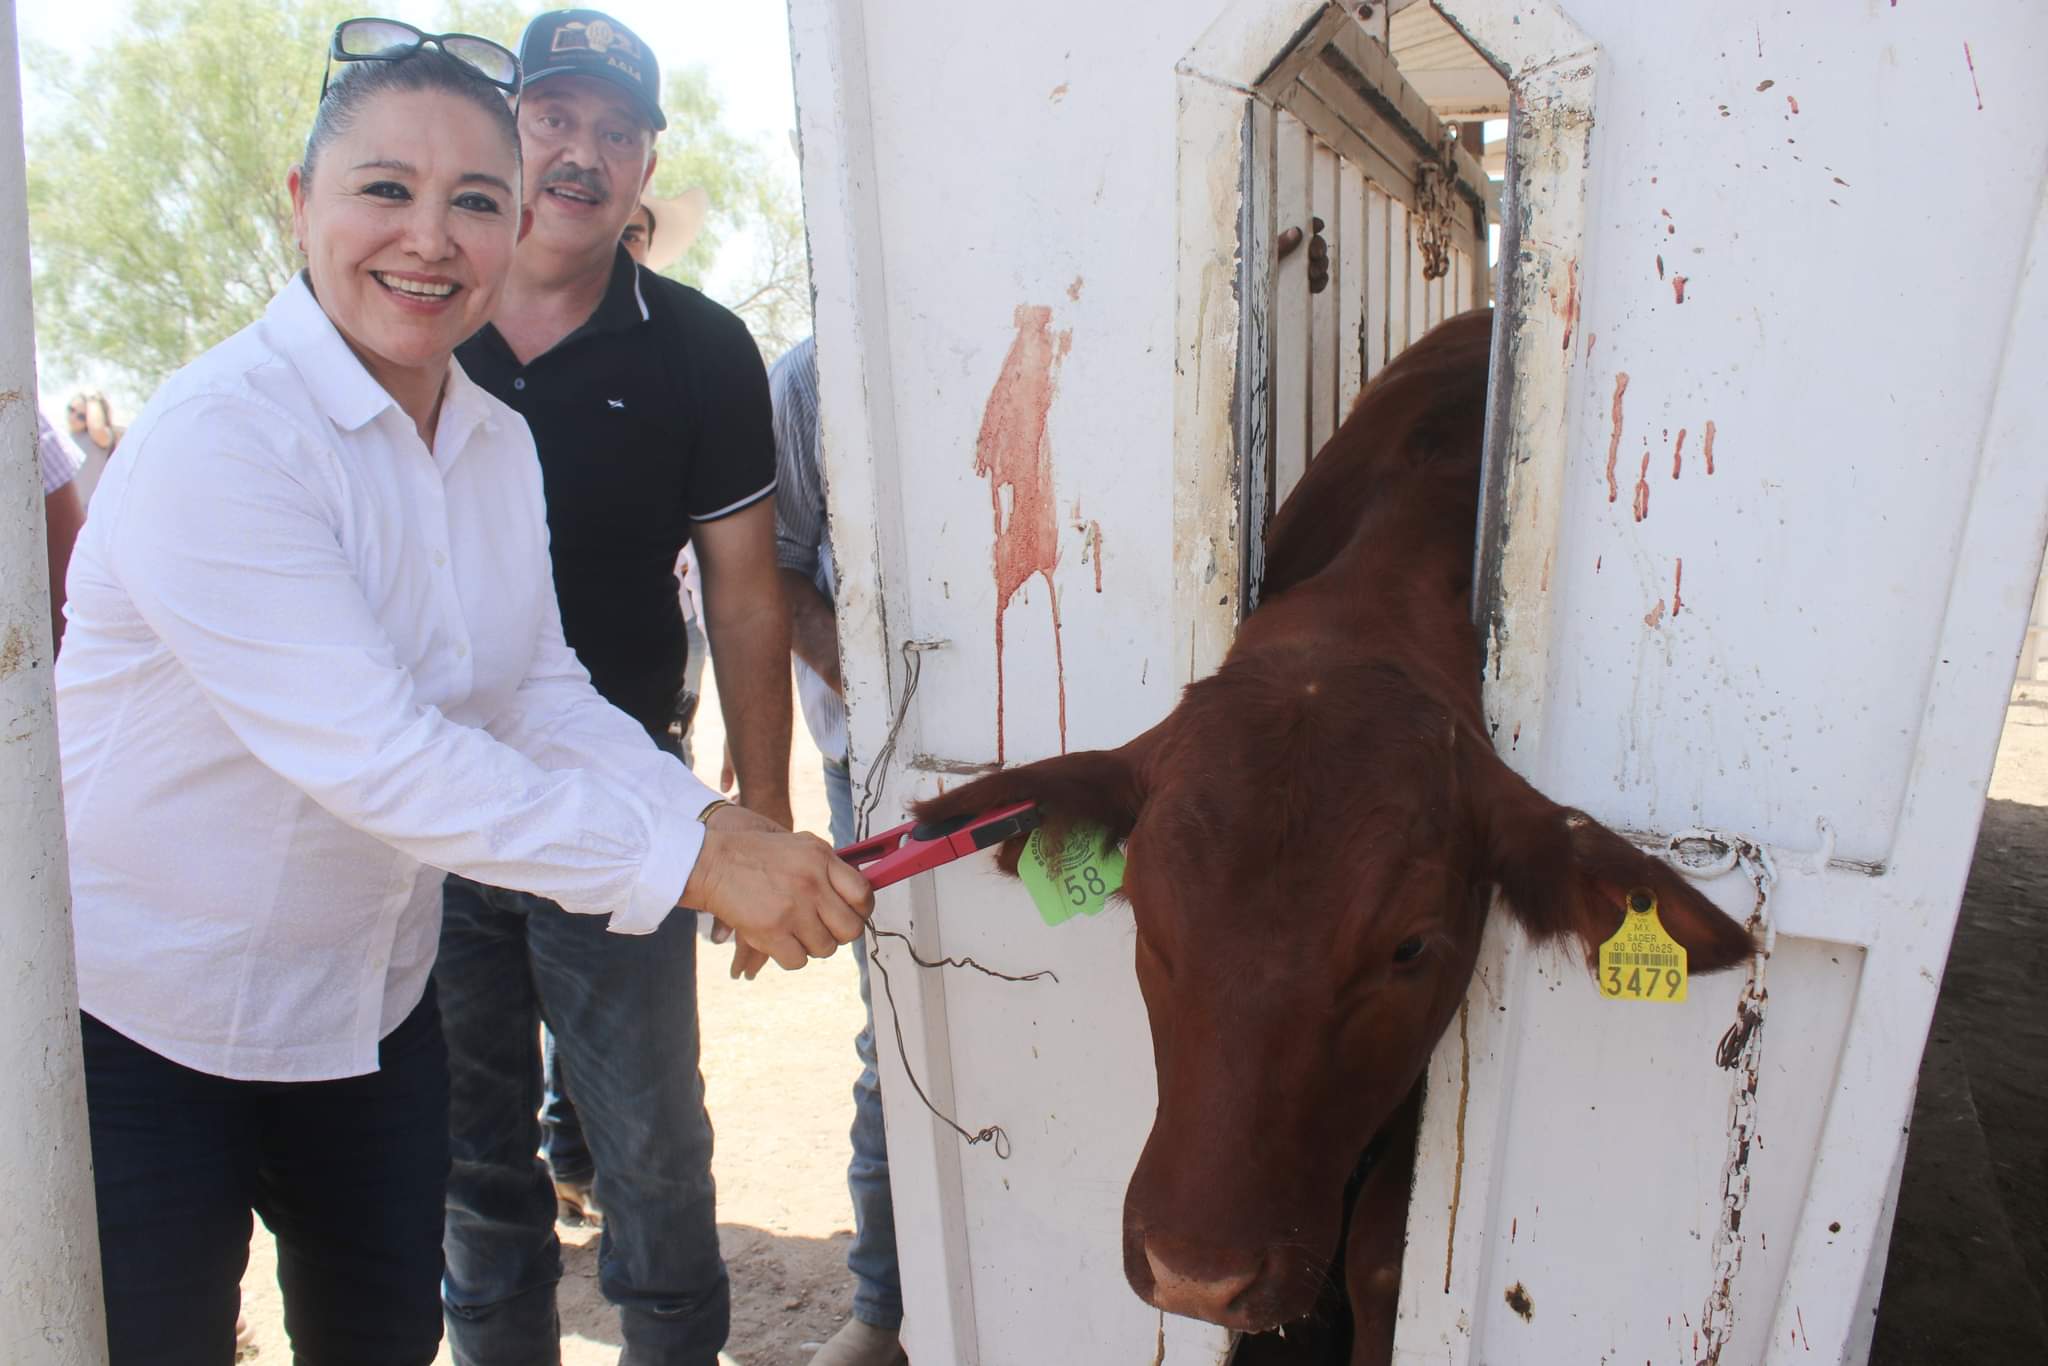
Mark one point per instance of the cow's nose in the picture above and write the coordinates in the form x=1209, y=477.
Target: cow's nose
x=1197, y=1283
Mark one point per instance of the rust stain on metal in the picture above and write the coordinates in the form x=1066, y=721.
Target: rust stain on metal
x=1978, y=89
x=1660, y=265
x=1793, y=100
x=1543, y=585
x=1568, y=308
x=1678, y=288
x=1678, y=454
x=13, y=650
x=1655, y=616
x=1458, y=1171
x=1012, y=450
x=1642, y=505
x=1762, y=86
x=1677, y=579
x=1740, y=1051
x=1592, y=340
x=1059, y=92
x=1074, y=289
x=1614, y=439
x=1519, y=1301
x=1707, y=446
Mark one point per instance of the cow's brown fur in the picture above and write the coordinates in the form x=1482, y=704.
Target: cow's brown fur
x=1315, y=834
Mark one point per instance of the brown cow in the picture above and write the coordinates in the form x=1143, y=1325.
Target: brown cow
x=1314, y=836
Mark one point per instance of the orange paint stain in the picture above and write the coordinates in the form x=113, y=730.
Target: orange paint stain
x=1012, y=451
x=1614, y=440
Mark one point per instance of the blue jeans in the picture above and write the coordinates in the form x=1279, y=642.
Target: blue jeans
x=348, y=1174
x=878, y=1284
x=561, y=1132
x=623, y=1012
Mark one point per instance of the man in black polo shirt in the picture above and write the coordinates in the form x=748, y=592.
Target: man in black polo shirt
x=649, y=406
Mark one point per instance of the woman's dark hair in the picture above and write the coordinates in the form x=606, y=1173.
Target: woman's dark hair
x=355, y=84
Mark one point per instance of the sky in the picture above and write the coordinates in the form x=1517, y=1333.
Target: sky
x=744, y=44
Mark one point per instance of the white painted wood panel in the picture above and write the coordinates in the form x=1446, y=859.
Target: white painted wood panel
x=1376, y=295
x=1355, y=282
x=1325, y=346
x=1290, y=308
x=1398, y=276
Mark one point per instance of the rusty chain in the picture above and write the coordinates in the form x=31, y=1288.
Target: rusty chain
x=1436, y=207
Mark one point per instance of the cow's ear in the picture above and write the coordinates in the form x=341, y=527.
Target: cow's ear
x=1565, y=874
x=1099, y=787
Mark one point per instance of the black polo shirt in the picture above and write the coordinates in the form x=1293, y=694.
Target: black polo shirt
x=651, y=417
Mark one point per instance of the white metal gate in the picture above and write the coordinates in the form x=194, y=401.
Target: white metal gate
x=1853, y=575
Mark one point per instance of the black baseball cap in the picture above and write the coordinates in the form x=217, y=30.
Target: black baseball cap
x=588, y=42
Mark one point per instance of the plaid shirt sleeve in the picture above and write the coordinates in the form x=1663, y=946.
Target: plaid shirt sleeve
x=55, y=460
x=799, y=485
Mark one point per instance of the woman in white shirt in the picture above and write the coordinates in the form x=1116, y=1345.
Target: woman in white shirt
x=314, y=659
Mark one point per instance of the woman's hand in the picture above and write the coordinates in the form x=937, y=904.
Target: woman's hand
x=784, y=895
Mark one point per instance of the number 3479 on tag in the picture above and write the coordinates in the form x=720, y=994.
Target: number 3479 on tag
x=1641, y=961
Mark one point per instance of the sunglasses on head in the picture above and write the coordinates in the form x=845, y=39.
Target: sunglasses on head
x=388, y=40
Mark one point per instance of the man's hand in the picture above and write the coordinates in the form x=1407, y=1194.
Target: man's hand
x=785, y=896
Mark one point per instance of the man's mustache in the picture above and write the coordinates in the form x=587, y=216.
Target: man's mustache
x=582, y=177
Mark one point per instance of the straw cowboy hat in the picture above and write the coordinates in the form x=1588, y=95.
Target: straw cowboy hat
x=677, y=221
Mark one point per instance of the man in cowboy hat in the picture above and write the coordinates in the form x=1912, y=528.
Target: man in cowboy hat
x=649, y=407
x=662, y=229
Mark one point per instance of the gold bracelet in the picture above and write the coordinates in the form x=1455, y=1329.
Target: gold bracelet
x=704, y=816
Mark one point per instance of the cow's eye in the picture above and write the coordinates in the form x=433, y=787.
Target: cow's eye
x=1408, y=950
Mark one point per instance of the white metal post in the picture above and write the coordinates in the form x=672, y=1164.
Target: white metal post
x=50, y=1301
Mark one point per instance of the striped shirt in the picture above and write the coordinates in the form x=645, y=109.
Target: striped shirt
x=51, y=454
x=803, y=542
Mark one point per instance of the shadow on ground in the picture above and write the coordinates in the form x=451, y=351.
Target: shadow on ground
x=1969, y=1252
x=778, y=1317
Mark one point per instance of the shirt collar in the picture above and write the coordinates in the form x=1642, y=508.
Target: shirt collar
x=624, y=304
x=301, y=329
x=466, y=410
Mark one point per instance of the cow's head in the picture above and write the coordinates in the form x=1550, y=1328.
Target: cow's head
x=1312, y=845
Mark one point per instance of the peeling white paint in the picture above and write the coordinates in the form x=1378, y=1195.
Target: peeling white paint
x=50, y=1310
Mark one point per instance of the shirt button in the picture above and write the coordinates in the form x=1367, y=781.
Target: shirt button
x=461, y=650
x=518, y=384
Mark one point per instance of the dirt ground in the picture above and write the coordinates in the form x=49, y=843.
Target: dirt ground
x=1969, y=1253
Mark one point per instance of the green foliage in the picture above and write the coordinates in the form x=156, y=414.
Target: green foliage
x=750, y=195
x=159, y=221
x=157, y=209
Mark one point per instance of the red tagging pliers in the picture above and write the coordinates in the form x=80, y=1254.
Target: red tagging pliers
x=914, y=847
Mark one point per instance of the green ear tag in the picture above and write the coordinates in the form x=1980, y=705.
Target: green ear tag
x=1080, y=882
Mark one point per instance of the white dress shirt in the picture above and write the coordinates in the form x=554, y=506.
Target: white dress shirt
x=310, y=665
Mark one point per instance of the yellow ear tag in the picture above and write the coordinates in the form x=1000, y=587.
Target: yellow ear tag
x=1642, y=962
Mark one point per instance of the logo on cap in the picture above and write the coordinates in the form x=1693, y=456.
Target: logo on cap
x=595, y=36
